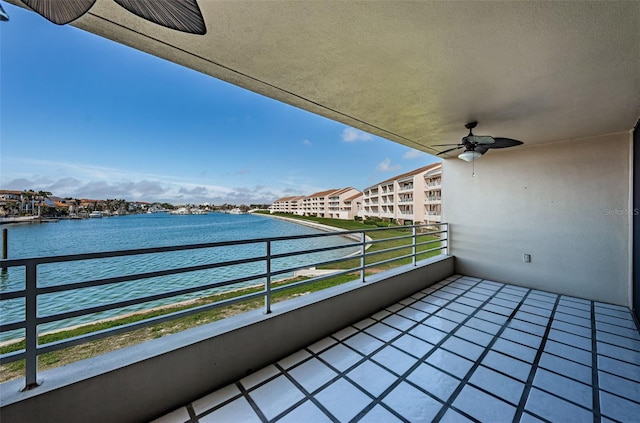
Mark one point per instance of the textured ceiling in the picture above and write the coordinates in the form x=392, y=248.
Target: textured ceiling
x=415, y=72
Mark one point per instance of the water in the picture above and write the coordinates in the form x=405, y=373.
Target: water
x=144, y=231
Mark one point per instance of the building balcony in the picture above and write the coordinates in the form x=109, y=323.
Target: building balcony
x=433, y=200
x=405, y=200
x=462, y=349
x=405, y=188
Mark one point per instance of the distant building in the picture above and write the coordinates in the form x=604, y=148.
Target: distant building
x=340, y=203
x=412, y=197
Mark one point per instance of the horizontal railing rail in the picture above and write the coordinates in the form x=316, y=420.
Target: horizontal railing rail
x=357, y=262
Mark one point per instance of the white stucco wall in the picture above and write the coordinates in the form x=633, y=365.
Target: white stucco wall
x=567, y=204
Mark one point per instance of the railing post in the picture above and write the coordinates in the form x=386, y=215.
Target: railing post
x=31, y=329
x=446, y=233
x=267, y=288
x=362, y=252
x=413, y=244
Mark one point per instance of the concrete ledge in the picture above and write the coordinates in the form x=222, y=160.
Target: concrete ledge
x=145, y=381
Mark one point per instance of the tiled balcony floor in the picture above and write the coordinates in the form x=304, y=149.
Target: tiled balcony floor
x=462, y=350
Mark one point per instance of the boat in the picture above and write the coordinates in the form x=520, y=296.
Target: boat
x=95, y=214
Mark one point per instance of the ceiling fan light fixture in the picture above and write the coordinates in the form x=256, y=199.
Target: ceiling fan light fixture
x=469, y=155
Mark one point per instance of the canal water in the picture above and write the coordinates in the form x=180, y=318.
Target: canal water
x=145, y=231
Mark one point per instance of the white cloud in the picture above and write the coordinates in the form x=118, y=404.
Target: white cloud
x=307, y=143
x=353, y=135
x=413, y=154
x=386, y=166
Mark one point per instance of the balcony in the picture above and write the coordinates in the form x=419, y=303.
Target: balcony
x=405, y=200
x=405, y=188
x=463, y=349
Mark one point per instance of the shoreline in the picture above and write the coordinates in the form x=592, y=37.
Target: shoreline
x=308, y=272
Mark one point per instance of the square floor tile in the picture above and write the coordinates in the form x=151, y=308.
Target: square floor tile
x=555, y=409
x=294, y=359
x=461, y=308
x=521, y=337
x=494, y=308
x=363, y=343
x=341, y=357
x=434, y=381
x=483, y=407
x=473, y=335
x=305, y=412
x=343, y=400
x=413, y=314
x=312, y=374
x=471, y=302
x=538, y=311
x=322, y=344
x=619, y=408
x=507, y=365
x=345, y=333
x=428, y=333
x=620, y=368
x=372, y=378
x=381, y=315
x=619, y=341
x=451, y=315
x=275, y=396
x=479, y=296
x=615, y=312
x=620, y=386
x=483, y=325
x=492, y=317
x=260, y=376
x=215, y=398
x=399, y=322
x=498, y=384
x=501, y=301
x=181, y=415
x=364, y=323
x=395, y=307
x=563, y=387
x=572, y=353
x=379, y=414
x=395, y=360
x=236, y=411
x=382, y=331
x=570, y=339
x=617, y=330
x=463, y=348
x=439, y=323
x=532, y=318
x=619, y=353
x=425, y=307
x=572, y=324
x=450, y=363
x=452, y=416
x=412, y=345
x=411, y=403
x=530, y=328
x=626, y=322
x=515, y=350
x=568, y=313
x=566, y=367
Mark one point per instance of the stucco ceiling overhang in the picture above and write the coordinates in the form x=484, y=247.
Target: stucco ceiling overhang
x=415, y=72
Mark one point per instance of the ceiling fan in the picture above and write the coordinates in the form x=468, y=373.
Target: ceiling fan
x=476, y=145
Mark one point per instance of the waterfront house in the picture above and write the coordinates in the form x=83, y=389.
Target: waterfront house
x=556, y=219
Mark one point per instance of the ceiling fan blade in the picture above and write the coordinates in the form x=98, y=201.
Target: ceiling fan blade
x=449, y=150
x=60, y=12
x=445, y=145
x=504, y=143
x=478, y=139
x=482, y=149
x=181, y=15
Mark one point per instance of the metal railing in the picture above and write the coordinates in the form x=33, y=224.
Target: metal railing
x=436, y=242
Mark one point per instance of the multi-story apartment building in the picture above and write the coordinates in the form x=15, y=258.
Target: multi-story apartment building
x=410, y=197
x=334, y=203
x=291, y=205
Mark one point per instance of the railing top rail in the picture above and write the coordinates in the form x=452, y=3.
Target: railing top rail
x=152, y=250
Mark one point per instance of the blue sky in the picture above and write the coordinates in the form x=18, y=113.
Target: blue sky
x=84, y=117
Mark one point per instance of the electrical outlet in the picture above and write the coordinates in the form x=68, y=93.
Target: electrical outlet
x=527, y=258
